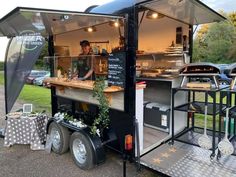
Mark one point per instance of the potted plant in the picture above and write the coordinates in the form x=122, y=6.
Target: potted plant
x=59, y=71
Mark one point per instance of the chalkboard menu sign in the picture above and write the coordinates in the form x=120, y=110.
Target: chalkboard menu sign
x=116, y=69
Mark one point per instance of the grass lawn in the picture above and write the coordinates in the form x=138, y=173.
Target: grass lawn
x=40, y=97
x=1, y=66
x=199, y=121
x=1, y=78
x=199, y=118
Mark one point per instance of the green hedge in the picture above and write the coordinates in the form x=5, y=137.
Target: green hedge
x=1, y=66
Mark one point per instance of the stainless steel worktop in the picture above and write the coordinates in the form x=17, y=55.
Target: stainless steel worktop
x=168, y=79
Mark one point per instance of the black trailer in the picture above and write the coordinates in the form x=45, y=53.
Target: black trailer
x=141, y=119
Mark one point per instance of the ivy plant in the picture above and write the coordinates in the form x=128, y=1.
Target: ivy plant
x=68, y=117
x=102, y=120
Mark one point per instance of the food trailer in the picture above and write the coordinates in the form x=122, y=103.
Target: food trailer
x=139, y=48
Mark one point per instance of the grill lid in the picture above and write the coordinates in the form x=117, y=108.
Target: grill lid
x=200, y=69
x=230, y=71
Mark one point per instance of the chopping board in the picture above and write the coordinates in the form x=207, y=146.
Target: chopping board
x=199, y=85
x=150, y=74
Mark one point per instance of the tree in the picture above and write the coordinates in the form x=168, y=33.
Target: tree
x=202, y=31
x=232, y=18
x=216, y=43
x=198, y=52
x=219, y=40
x=40, y=63
x=232, y=50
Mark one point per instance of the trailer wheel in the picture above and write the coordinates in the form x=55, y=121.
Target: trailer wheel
x=82, y=151
x=60, y=138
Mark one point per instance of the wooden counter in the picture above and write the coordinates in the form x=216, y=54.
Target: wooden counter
x=83, y=91
x=87, y=84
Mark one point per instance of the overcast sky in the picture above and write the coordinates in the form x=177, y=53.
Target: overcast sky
x=225, y=5
x=81, y=5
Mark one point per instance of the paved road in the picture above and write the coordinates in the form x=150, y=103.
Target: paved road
x=20, y=161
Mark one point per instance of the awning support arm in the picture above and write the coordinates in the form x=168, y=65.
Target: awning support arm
x=141, y=19
x=195, y=29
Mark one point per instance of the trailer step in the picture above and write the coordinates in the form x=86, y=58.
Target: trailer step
x=182, y=160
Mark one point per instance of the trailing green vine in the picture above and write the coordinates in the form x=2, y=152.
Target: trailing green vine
x=102, y=120
x=68, y=117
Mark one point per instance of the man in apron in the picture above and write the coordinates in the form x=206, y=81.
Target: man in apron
x=85, y=62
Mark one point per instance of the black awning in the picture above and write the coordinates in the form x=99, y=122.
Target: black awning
x=21, y=55
x=192, y=12
x=48, y=22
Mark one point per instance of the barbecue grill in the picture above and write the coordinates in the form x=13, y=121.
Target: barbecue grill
x=200, y=70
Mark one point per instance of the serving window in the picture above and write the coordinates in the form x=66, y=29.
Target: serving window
x=106, y=59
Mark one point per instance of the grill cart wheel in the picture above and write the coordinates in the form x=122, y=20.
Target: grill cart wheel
x=82, y=151
x=60, y=138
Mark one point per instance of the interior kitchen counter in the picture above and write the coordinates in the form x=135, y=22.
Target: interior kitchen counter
x=161, y=78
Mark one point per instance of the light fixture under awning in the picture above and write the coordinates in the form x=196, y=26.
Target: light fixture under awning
x=192, y=12
x=48, y=22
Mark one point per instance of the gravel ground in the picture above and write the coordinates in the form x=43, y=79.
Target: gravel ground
x=16, y=106
x=20, y=161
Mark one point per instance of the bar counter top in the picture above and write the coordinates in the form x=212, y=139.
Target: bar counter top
x=87, y=84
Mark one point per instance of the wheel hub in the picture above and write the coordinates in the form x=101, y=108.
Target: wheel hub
x=79, y=151
x=56, y=138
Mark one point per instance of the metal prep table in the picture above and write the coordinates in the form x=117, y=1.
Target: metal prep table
x=228, y=96
x=191, y=133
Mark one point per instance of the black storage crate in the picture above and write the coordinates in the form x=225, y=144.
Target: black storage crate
x=157, y=116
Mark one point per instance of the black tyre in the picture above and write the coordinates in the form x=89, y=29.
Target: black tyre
x=60, y=138
x=82, y=151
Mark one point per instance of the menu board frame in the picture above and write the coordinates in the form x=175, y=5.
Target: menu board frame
x=117, y=69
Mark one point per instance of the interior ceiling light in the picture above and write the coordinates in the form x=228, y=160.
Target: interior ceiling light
x=116, y=23
x=154, y=15
x=176, y=2
x=90, y=29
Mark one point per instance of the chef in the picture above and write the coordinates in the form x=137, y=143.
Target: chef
x=85, y=62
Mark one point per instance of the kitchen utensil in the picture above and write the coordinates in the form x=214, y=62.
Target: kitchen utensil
x=195, y=107
x=225, y=146
x=204, y=141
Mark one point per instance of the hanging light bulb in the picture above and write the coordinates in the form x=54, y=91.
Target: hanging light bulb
x=154, y=15
x=116, y=23
x=90, y=29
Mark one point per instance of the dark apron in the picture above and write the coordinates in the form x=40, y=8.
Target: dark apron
x=84, y=65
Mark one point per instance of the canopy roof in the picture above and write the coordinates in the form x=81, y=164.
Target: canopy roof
x=48, y=22
x=192, y=12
